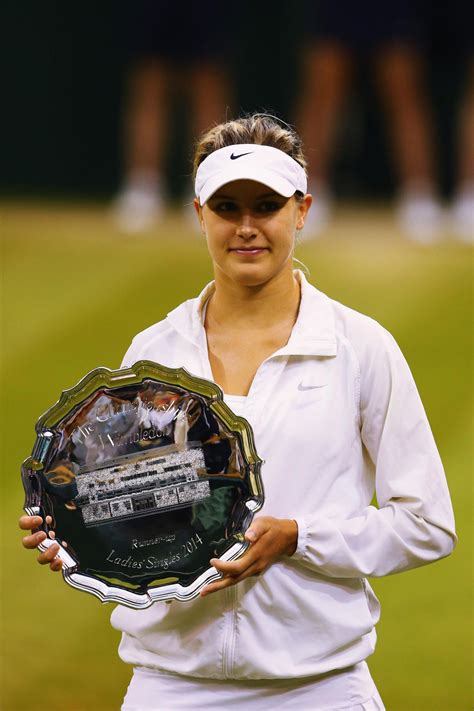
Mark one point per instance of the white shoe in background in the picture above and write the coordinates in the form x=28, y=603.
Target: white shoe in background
x=139, y=205
x=420, y=215
x=462, y=214
x=190, y=217
x=319, y=215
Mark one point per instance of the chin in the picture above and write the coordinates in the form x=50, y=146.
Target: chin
x=251, y=275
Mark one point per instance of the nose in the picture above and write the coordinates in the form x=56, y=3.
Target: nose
x=246, y=227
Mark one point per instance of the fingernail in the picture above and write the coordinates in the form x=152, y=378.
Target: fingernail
x=251, y=535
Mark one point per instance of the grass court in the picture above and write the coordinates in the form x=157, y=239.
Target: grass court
x=75, y=291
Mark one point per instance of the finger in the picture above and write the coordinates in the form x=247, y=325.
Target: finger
x=230, y=580
x=257, y=529
x=27, y=523
x=48, y=555
x=33, y=540
x=218, y=585
x=56, y=564
x=237, y=567
x=234, y=567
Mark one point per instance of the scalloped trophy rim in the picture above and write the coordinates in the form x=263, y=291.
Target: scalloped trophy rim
x=104, y=377
x=135, y=374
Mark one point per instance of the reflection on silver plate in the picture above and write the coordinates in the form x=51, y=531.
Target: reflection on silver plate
x=147, y=474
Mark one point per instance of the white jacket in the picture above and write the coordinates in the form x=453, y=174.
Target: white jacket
x=336, y=417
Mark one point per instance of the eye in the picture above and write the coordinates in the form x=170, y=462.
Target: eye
x=224, y=206
x=270, y=205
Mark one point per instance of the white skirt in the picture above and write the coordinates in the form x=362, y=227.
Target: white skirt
x=350, y=689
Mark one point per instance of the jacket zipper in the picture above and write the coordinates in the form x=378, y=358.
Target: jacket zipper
x=229, y=632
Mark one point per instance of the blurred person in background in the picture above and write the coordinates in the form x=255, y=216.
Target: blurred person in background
x=461, y=18
x=463, y=207
x=171, y=45
x=393, y=37
x=336, y=417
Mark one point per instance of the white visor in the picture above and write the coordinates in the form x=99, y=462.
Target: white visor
x=249, y=161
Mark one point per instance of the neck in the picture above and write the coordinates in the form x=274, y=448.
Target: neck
x=255, y=307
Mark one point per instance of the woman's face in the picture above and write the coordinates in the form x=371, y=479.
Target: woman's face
x=250, y=231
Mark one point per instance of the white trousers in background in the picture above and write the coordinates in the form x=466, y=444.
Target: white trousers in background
x=350, y=689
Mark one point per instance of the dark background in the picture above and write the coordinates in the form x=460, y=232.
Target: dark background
x=65, y=64
x=75, y=289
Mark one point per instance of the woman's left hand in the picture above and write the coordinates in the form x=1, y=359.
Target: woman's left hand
x=269, y=539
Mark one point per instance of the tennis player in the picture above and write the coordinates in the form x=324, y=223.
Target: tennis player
x=336, y=417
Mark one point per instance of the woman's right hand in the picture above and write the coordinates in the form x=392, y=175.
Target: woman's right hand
x=47, y=557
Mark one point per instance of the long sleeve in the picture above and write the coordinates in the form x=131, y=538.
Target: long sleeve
x=414, y=523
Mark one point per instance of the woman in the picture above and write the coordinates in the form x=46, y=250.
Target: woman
x=336, y=416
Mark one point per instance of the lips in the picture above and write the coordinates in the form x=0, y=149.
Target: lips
x=248, y=250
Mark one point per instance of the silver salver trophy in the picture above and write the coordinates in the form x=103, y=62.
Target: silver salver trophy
x=146, y=474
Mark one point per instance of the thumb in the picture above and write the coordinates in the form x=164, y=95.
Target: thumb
x=255, y=531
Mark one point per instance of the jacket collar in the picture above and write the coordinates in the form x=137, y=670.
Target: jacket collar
x=314, y=332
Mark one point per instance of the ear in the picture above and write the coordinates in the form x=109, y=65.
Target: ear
x=303, y=207
x=198, y=209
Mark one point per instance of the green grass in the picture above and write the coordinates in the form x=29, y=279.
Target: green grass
x=75, y=291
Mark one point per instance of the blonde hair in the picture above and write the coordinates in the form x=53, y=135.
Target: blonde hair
x=262, y=129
